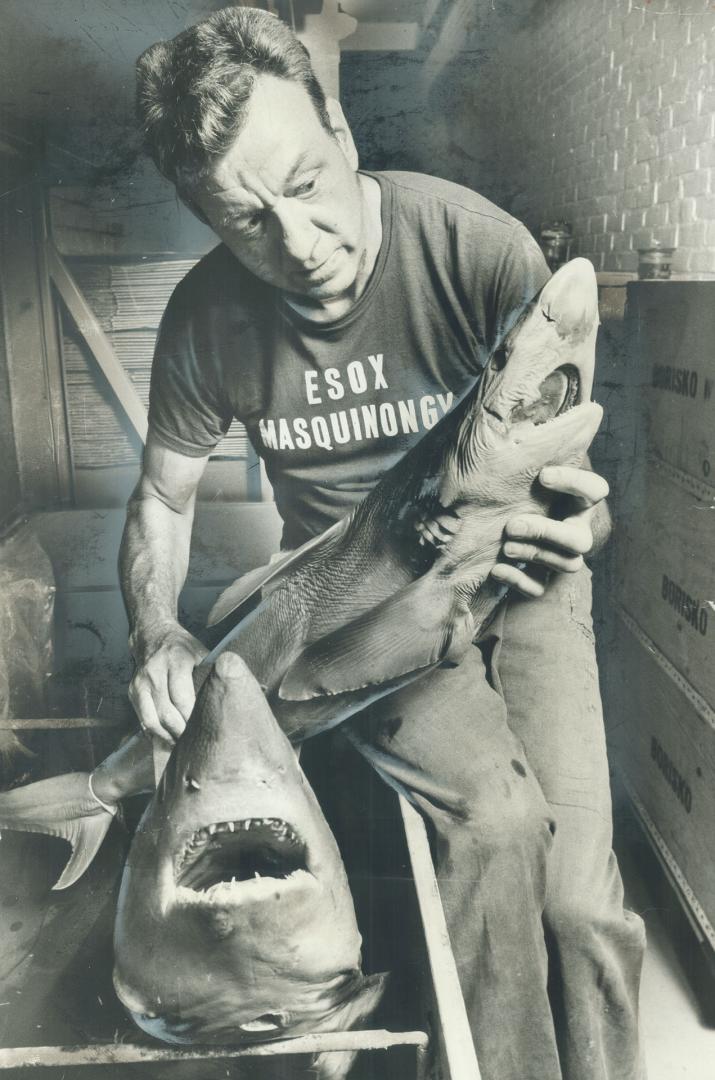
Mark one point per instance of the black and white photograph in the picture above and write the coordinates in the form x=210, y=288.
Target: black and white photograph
x=357, y=549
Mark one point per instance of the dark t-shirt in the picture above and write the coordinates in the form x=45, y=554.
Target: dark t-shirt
x=331, y=406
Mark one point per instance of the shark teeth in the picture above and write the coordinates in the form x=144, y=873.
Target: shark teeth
x=279, y=829
x=275, y=831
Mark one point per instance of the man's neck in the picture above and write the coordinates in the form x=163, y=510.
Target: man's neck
x=327, y=311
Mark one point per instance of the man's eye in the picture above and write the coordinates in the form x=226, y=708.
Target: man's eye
x=305, y=189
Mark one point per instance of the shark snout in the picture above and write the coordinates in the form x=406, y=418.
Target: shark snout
x=570, y=299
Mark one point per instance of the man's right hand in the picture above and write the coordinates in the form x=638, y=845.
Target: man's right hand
x=162, y=688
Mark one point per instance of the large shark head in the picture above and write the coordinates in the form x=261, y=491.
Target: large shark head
x=235, y=921
x=532, y=407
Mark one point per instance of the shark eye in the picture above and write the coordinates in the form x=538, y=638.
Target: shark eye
x=191, y=784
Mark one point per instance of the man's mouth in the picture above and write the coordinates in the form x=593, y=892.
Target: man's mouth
x=234, y=853
x=320, y=273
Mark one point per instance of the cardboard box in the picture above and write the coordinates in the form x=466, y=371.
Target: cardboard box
x=672, y=326
x=665, y=574
x=666, y=749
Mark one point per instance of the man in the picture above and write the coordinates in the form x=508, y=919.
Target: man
x=344, y=313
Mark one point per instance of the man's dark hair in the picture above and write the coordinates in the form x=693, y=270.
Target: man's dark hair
x=193, y=91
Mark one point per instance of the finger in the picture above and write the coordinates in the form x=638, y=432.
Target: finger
x=170, y=718
x=572, y=536
x=181, y=689
x=171, y=722
x=517, y=579
x=532, y=553
x=429, y=536
x=145, y=709
x=588, y=487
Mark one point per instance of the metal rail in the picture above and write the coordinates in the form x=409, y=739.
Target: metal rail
x=59, y=723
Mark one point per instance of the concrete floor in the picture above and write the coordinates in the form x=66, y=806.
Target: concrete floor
x=676, y=990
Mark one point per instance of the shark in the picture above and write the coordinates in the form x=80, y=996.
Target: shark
x=235, y=922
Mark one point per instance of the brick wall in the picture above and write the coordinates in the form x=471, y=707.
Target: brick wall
x=603, y=114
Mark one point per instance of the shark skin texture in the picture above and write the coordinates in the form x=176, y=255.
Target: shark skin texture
x=399, y=587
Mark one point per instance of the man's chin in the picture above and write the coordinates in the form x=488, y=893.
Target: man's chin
x=320, y=292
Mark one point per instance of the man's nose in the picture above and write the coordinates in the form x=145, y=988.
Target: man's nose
x=298, y=233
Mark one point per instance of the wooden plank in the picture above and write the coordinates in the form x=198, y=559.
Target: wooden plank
x=456, y=1033
x=33, y=410
x=28, y=1057
x=102, y=350
x=53, y=351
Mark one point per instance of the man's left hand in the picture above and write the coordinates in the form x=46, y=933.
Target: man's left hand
x=556, y=545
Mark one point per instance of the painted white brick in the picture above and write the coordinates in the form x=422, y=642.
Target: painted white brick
x=693, y=234
x=702, y=262
x=671, y=140
x=705, y=207
x=696, y=183
x=656, y=216
x=626, y=261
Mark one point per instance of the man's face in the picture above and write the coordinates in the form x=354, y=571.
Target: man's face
x=285, y=198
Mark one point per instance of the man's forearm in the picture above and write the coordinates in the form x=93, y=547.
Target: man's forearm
x=153, y=562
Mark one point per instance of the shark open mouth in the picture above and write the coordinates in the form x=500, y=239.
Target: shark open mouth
x=558, y=393
x=232, y=852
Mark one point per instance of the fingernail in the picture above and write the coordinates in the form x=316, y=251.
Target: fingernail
x=548, y=475
x=511, y=550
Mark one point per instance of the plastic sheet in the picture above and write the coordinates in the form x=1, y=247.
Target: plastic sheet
x=27, y=593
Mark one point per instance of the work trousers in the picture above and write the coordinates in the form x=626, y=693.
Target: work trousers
x=505, y=756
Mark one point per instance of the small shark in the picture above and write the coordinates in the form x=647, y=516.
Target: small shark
x=369, y=605
x=235, y=921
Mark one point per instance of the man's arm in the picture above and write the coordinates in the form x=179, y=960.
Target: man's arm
x=153, y=562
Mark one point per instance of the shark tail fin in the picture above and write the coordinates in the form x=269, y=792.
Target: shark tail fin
x=63, y=806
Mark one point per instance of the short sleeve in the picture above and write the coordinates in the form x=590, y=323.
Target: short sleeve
x=521, y=274
x=185, y=413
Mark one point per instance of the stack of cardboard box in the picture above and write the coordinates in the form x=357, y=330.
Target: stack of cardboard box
x=665, y=587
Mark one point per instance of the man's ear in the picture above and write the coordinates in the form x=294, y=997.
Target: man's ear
x=342, y=132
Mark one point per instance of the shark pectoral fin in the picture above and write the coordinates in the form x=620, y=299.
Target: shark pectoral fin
x=244, y=588
x=85, y=836
x=63, y=806
x=414, y=629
